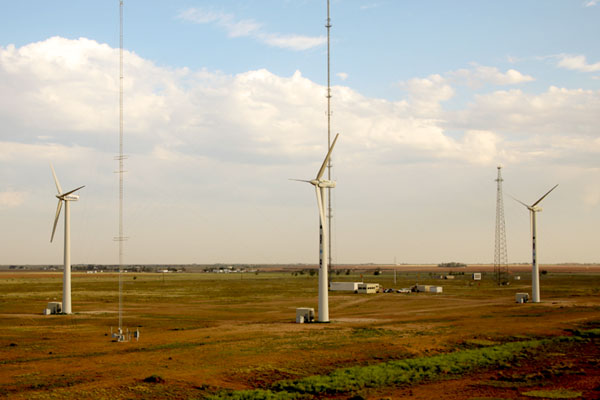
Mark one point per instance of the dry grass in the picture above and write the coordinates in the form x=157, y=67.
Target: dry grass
x=202, y=332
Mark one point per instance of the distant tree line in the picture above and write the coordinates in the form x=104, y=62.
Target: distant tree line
x=452, y=265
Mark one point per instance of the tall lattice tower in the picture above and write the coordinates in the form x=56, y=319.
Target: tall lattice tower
x=121, y=238
x=500, y=252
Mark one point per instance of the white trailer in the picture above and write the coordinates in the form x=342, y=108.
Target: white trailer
x=423, y=288
x=368, y=288
x=344, y=286
x=436, y=289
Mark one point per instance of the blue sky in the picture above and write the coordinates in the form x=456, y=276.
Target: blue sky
x=225, y=100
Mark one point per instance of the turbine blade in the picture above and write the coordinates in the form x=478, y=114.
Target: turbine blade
x=56, y=180
x=542, y=198
x=322, y=170
x=56, y=219
x=517, y=200
x=299, y=180
x=74, y=190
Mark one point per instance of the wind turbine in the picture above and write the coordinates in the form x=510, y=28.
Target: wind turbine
x=535, y=272
x=66, y=198
x=321, y=186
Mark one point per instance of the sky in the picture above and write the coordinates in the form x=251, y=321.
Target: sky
x=225, y=101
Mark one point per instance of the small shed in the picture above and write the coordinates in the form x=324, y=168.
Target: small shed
x=305, y=315
x=476, y=276
x=522, y=298
x=53, y=307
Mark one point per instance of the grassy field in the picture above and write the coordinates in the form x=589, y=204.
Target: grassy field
x=233, y=335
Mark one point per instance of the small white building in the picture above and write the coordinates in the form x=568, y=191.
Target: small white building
x=522, y=298
x=344, y=286
x=436, y=289
x=305, y=315
x=53, y=307
x=476, y=276
x=368, y=288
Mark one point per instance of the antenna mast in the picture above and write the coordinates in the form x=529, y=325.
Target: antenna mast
x=500, y=251
x=121, y=171
x=329, y=210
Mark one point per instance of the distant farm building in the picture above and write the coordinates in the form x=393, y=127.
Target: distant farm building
x=476, y=276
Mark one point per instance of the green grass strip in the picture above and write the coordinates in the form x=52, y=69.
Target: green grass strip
x=401, y=372
x=407, y=371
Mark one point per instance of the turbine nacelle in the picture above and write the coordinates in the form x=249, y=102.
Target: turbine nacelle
x=323, y=183
x=69, y=197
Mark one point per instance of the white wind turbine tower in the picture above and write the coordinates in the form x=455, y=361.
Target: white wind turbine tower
x=321, y=185
x=66, y=198
x=535, y=272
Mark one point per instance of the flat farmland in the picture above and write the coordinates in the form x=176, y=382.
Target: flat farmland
x=220, y=335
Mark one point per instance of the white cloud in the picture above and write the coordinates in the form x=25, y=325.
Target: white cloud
x=370, y=6
x=10, y=198
x=426, y=94
x=558, y=111
x=577, y=63
x=342, y=75
x=258, y=117
x=480, y=75
x=590, y=3
x=250, y=28
x=221, y=147
x=292, y=42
